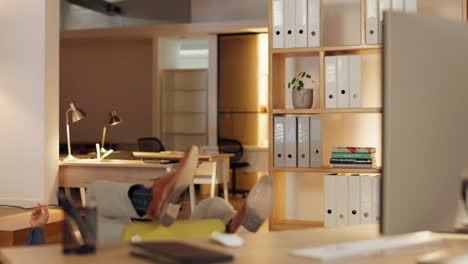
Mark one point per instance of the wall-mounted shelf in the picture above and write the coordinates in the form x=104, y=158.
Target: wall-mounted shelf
x=377, y=48
x=326, y=170
x=327, y=111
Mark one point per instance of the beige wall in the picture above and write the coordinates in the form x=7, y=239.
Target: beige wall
x=105, y=75
x=229, y=10
x=29, y=101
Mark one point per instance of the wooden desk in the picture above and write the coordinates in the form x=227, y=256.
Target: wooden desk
x=259, y=248
x=221, y=162
x=80, y=174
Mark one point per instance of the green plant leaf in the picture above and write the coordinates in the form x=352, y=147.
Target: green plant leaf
x=289, y=85
x=299, y=89
x=301, y=83
x=303, y=74
x=293, y=80
x=308, y=76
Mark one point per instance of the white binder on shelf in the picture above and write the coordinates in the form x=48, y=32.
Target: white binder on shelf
x=342, y=82
x=411, y=6
x=372, y=21
x=290, y=23
x=290, y=146
x=354, y=200
x=366, y=200
x=315, y=139
x=398, y=5
x=375, y=199
x=301, y=23
x=341, y=192
x=313, y=25
x=330, y=82
x=303, y=144
x=329, y=201
x=355, y=81
x=278, y=141
x=384, y=5
x=278, y=23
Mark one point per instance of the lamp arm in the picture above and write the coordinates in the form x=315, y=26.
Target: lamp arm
x=68, y=133
x=104, y=130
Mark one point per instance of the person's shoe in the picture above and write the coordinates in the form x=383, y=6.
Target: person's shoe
x=167, y=192
x=161, y=190
x=257, y=207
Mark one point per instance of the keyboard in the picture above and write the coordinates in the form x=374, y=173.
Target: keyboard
x=368, y=247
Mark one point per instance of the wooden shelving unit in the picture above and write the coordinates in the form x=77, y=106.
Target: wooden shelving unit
x=340, y=127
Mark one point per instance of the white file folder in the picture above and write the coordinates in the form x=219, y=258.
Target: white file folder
x=301, y=23
x=278, y=141
x=355, y=81
x=329, y=201
x=398, y=5
x=342, y=82
x=354, y=200
x=315, y=139
x=330, y=82
x=303, y=144
x=290, y=23
x=411, y=6
x=278, y=23
x=384, y=5
x=366, y=200
x=313, y=25
x=375, y=199
x=341, y=192
x=290, y=146
x=372, y=21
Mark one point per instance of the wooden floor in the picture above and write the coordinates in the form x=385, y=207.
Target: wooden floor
x=5, y=211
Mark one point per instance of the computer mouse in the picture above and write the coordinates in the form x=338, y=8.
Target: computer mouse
x=229, y=240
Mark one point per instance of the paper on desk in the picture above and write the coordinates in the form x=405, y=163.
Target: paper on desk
x=368, y=247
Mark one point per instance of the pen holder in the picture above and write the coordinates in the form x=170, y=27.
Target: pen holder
x=79, y=228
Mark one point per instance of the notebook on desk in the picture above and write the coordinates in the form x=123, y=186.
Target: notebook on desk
x=177, y=253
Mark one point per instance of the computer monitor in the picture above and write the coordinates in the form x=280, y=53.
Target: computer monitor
x=425, y=122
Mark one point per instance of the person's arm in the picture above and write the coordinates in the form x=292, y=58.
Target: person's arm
x=39, y=218
x=36, y=236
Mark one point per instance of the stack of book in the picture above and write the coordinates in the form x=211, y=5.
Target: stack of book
x=352, y=157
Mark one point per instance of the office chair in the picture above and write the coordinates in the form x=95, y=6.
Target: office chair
x=150, y=144
x=233, y=146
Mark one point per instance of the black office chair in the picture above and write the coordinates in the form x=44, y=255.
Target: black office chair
x=150, y=144
x=233, y=146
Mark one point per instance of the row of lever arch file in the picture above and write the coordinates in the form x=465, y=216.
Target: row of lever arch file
x=296, y=23
x=343, y=81
x=374, y=16
x=351, y=200
x=297, y=141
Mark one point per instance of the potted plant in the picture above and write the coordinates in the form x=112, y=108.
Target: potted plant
x=302, y=90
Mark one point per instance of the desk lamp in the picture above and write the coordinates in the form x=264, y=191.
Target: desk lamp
x=112, y=120
x=76, y=115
